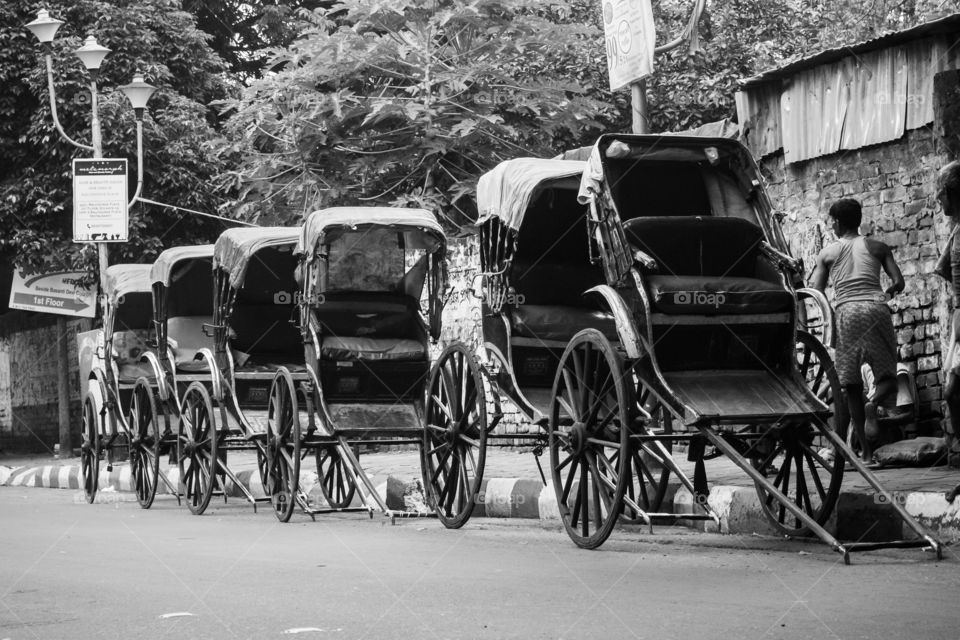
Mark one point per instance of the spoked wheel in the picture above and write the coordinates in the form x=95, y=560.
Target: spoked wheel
x=336, y=483
x=283, y=446
x=90, y=447
x=793, y=457
x=197, y=448
x=588, y=436
x=144, y=442
x=648, y=478
x=454, y=436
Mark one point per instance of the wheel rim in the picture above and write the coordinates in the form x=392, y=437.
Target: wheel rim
x=283, y=447
x=336, y=484
x=90, y=449
x=145, y=444
x=197, y=448
x=790, y=455
x=589, y=438
x=454, y=436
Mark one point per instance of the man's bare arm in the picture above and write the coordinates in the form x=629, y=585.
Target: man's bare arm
x=821, y=272
x=892, y=269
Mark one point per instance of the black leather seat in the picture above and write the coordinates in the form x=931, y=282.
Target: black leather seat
x=550, y=304
x=707, y=265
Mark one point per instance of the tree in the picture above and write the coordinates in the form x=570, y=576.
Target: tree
x=35, y=165
x=243, y=32
x=741, y=38
x=409, y=101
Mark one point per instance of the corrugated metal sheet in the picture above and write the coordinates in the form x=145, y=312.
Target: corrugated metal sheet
x=758, y=112
x=864, y=99
x=877, y=109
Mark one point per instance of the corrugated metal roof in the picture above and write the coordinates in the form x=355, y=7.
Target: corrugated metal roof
x=949, y=24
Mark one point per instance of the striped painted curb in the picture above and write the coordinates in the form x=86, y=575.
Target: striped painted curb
x=738, y=508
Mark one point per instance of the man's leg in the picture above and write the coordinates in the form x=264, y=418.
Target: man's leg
x=853, y=394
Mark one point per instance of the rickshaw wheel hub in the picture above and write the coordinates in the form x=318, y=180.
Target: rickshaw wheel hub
x=578, y=437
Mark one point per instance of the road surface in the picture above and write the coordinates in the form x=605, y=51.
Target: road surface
x=71, y=570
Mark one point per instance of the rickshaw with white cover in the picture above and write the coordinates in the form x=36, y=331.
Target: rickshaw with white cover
x=659, y=306
x=181, y=284
x=371, y=295
x=229, y=363
x=118, y=376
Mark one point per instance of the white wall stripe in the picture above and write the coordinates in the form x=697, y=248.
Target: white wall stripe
x=5, y=473
x=497, y=497
x=63, y=476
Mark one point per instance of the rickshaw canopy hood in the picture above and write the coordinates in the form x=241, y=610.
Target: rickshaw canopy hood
x=506, y=191
x=235, y=248
x=166, y=261
x=121, y=279
x=319, y=223
x=662, y=147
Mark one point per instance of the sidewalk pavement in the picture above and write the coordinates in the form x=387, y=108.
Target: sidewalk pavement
x=513, y=489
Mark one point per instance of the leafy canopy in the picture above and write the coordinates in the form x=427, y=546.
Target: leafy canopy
x=153, y=36
x=409, y=101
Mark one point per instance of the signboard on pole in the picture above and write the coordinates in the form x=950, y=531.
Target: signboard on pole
x=100, y=200
x=630, y=39
x=53, y=293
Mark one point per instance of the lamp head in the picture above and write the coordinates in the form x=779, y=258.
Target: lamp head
x=138, y=93
x=91, y=55
x=44, y=27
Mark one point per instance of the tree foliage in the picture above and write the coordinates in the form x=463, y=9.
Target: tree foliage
x=741, y=38
x=409, y=101
x=153, y=36
x=242, y=32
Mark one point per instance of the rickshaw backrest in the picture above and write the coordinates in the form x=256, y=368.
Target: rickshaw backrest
x=552, y=283
x=698, y=245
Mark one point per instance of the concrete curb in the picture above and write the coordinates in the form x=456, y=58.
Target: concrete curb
x=859, y=515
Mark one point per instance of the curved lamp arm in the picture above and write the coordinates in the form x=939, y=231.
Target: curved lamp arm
x=136, y=194
x=53, y=107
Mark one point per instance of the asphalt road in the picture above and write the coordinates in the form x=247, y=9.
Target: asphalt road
x=70, y=570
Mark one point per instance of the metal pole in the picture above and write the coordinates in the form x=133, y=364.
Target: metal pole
x=638, y=100
x=63, y=388
x=97, y=153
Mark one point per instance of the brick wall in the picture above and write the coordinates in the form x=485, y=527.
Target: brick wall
x=28, y=380
x=896, y=184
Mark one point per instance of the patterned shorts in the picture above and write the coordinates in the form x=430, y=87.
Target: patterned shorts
x=865, y=334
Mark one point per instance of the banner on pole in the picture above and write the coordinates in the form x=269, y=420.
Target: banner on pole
x=100, y=200
x=630, y=39
x=53, y=293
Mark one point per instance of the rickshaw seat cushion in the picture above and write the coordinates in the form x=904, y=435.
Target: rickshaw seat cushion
x=342, y=348
x=128, y=372
x=698, y=245
x=552, y=322
x=711, y=295
x=187, y=337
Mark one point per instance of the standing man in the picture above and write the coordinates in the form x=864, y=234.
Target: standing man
x=864, y=323
x=948, y=267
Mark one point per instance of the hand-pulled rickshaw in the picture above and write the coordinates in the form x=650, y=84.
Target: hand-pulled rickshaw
x=664, y=313
x=364, y=343
x=224, y=405
x=182, y=284
x=118, y=373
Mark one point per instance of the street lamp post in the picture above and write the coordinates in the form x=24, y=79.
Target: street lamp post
x=138, y=92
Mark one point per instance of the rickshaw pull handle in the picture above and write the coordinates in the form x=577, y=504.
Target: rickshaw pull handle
x=645, y=260
x=781, y=258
